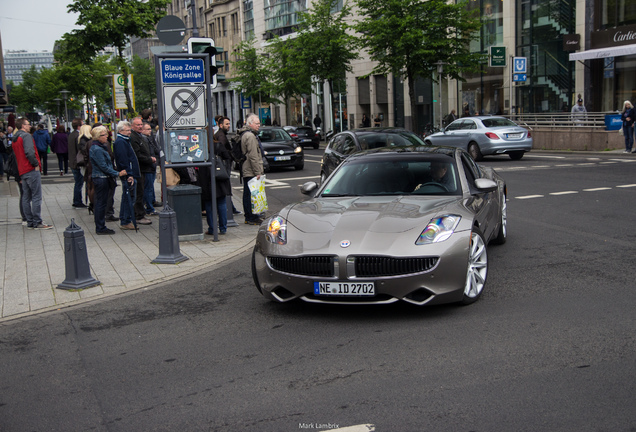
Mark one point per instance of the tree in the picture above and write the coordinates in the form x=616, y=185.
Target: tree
x=145, y=84
x=409, y=37
x=112, y=23
x=251, y=75
x=325, y=43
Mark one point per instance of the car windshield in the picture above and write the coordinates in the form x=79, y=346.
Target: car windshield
x=425, y=175
x=271, y=135
x=498, y=122
x=371, y=140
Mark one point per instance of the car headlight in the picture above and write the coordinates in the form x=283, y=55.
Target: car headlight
x=277, y=230
x=298, y=149
x=438, y=229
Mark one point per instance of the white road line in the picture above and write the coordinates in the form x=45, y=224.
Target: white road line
x=529, y=197
x=541, y=166
x=586, y=164
x=564, y=165
x=546, y=157
x=626, y=186
x=624, y=160
x=608, y=162
x=593, y=159
x=597, y=189
x=564, y=193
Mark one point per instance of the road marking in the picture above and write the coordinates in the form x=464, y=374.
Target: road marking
x=586, y=164
x=626, y=186
x=546, y=157
x=564, y=193
x=541, y=166
x=597, y=189
x=530, y=197
x=607, y=163
x=356, y=428
x=564, y=165
x=624, y=160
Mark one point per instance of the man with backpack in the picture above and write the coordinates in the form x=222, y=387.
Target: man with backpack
x=221, y=137
x=252, y=165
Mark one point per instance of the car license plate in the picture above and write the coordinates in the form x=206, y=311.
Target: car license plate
x=344, y=289
x=514, y=135
x=282, y=158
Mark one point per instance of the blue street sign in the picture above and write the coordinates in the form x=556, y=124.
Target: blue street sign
x=520, y=65
x=519, y=77
x=181, y=71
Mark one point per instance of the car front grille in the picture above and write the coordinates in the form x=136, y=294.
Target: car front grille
x=319, y=266
x=378, y=266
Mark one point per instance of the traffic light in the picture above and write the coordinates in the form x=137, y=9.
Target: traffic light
x=205, y=46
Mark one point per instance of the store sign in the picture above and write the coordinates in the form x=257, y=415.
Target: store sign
x=497, y=56
x=571, y=42
x=618, y=36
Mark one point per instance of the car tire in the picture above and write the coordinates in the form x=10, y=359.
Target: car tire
x=502, y=235
x=516, y=155
x=254, y=276
x=323, y=177
x=428, y=142
x=299, y=166
x=474, y=151
x=316, y=146
x=477, y=270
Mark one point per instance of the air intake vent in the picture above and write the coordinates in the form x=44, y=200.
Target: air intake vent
x=319, y=266
x=376, y=266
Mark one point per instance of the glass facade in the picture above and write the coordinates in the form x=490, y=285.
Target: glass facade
x=281, y=16
x=248, y=19
x=541, y=25
x=615, y=13
x=17, y=62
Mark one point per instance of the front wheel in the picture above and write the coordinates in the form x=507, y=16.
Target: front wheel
x=474, y=151
x=477, y=268
x=502, y=235
x=299, y=166
x=254, y=275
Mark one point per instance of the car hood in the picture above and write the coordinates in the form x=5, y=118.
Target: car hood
x=381, y=214
x=278, y=145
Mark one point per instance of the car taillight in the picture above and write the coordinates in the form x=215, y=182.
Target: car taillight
x=293, y=135
x=529, y=134
x=492, y=135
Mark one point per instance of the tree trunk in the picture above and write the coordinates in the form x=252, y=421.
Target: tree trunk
x=125, y=73
x=414, y=122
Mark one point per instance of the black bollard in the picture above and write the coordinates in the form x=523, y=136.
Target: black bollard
x=230, y=213
x=169, y=252
x=78, y=271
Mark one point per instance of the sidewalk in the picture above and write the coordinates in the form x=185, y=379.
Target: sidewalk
x=32, y=262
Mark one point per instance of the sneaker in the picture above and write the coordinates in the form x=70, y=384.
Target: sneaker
x=626, y=151
x=24, y=223
x=112, y=218
x=157, y=204
x=154, y=213
x=42, y=226
x=237, y=212
x=129, y=226
x=222, y=232
x=107, y=231
x=253, y=222
x=144, y=221
x=80, y=205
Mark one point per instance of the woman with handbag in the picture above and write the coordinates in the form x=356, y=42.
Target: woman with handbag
x=628, y=116
x=223, y=189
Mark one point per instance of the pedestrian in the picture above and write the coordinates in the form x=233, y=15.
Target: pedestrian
x=579, y=113
x=377, y=122
x=125, y=159
x=221, y=137
x=42, y=140
x=366, y=121
x=451, y=117
x=102, y=170
x=317, y=121
x=29, y=169
x=3, y=153
x=223, y=190
x=150, y=175
x=239, y=123
x=253, y=165
x=73, y=151
x=83, y=162
x=112, y=182
x=145, y=161
x=628, y=116
x=59, y=146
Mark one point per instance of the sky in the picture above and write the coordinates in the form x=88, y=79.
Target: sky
x=34, y=25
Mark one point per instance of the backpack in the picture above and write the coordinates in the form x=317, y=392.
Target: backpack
x=11, y=166
x=237, y=152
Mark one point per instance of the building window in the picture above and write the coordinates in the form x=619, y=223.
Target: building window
x=282, y=15
x=615, y=13
x=224, y=26
x=248, y=18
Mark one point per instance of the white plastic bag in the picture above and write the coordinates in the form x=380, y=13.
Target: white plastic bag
x=258, y=197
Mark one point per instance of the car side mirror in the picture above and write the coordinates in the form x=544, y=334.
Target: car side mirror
x=485, y=185
x=308, y=188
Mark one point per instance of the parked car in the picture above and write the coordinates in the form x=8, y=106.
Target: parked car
x=485, y=135
x=346, y=143
x=402, y=223
x=280, y=149
x=304, y=135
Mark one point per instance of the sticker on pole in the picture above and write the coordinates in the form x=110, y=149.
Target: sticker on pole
x=185, y=106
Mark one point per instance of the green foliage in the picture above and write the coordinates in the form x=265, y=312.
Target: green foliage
x=251, y=75
x=288, y=72
x=408, y=38
x=111, y=23
x=145, y=85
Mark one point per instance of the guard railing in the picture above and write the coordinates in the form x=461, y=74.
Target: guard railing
x=590, y=120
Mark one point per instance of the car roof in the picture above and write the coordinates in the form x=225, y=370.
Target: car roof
x=377, y=130
x=405, y=151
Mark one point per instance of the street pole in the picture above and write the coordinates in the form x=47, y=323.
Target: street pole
x=65, y=96
x=440, y=69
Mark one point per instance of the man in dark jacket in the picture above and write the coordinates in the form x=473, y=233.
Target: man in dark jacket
x=125, y=159
x=142, y=151
x=149, y=177
x=221, y=137
x=29, y=168
x=42, y=140
x=73, y=139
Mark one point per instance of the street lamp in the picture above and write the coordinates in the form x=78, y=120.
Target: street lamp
x=57, y=101
x=65, y=96
x=440, y=70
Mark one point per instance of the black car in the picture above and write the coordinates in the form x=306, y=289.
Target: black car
x=280, y=149
x=352, y=141
x=304, y=135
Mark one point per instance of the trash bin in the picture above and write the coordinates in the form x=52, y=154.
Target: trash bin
x=613, y=122
x=185, y=200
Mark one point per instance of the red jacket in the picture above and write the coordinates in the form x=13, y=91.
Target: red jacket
x=25, y=152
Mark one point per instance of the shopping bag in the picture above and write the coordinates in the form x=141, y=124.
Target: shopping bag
x=258, y=197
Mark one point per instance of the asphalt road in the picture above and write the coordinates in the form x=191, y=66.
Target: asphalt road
x=550, y=345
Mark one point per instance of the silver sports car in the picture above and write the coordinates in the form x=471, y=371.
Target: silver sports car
x=407, y=223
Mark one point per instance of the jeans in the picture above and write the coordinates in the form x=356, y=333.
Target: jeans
x=44, y=161
x=221, y=210
x=62, y=162
x=101, y=196
x=110, y=201
x=32, y=197
x=128, y=196
x=247, y=201
x=628, y=131
x=149, y=191
x=79, y=184
x=139, y=210
x=3, y=156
